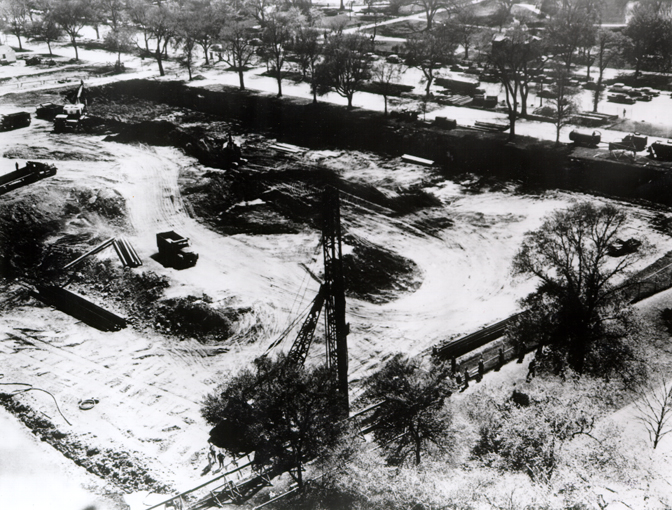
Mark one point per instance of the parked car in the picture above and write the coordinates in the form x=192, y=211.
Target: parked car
x=547, y=94
x=644, y=97
x=620, y=98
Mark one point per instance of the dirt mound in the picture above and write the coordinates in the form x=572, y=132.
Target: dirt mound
x=377, y=275
x=197, y=318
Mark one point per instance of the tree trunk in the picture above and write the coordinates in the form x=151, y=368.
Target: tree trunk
x=97, y=29
x=159, y=61
x=240, y=77
x=596, y=97
x=466, y=51
x=588, y=65
x=385, y=98
x=557, y=133
x=49, y=46
x=205, y=50
x=429, y=84
x=349, y=96
x=512, y=122
x=278, y=77
x=74, y=45
x=18, y=36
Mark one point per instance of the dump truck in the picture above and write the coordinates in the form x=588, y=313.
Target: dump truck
x=14, y=121
x=48, y=111
x=33, y=171
x=174, y=250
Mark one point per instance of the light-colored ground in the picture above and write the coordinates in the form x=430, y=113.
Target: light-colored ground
x=150, y=387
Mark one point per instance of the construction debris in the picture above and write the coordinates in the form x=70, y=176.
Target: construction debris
x=288, y=148
x=418, y=161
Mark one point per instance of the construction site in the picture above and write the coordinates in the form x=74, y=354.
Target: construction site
x=150, y=250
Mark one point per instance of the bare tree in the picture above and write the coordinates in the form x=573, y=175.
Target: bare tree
x=609, y=46
x=346, y=65
x=655, y=409
x=14, y=13
x=278, y=32
x=238, y=49
x=515, y=55
x=431, y=7
x=46, y=27
x=573, y=27
x=563, y=100
x=385, y=75
x=307, y=48
x=72, y=16
x=430, y=50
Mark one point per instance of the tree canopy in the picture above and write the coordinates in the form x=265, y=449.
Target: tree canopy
x=578, y=308
x=287, y=414
x=412, y=414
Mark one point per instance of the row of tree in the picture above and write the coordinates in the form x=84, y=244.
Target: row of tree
x=280, y=31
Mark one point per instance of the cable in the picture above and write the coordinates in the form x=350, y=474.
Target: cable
x=17, y=391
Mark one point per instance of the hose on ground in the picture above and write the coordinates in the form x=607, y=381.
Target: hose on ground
x=29, y=388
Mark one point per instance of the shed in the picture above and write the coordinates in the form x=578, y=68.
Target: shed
x=7, y=55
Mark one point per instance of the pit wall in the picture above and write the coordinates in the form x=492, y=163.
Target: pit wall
x=298, y=121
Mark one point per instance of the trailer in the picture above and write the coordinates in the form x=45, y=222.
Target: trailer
x=661, y=150
x=32, y=172
x=14, y=121
x=174, y=250
x=48, y=111
x=585, y=139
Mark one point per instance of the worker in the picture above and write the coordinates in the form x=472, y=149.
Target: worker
x=481, y=369
x=521, y=351
x=531, y=369
x=500, y=358
x=466, y=378
x=212, y=455
x=220, y=459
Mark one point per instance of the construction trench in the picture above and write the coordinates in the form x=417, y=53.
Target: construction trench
x=426, y=256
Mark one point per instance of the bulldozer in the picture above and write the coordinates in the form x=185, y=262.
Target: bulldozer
x=74, y=114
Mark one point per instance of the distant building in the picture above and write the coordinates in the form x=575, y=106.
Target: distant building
x=7, y=55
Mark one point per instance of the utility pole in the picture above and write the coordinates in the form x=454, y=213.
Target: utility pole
x=335, y=326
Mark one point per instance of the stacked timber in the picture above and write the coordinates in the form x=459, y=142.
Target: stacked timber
x=490, y=126
x=79, y=308
x=126, y=253
x=455, y=100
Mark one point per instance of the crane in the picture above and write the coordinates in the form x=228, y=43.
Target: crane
x=331, y=297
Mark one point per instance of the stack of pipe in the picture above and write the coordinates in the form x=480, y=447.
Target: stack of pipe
x=126, y=252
